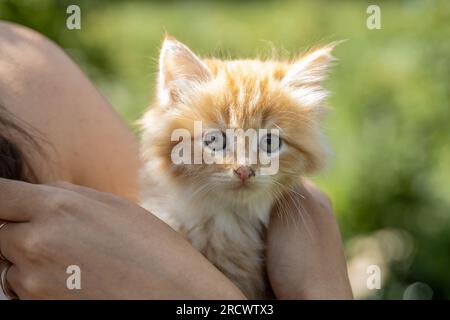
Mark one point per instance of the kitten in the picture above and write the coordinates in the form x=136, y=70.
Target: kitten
x=224, y=208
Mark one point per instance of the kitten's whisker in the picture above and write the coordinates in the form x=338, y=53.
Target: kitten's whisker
x=297, y=204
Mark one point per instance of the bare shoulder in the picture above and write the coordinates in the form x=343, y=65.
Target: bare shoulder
x=84, y=140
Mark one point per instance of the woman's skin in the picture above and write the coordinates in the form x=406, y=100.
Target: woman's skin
x=123, y=251
x=304, y=253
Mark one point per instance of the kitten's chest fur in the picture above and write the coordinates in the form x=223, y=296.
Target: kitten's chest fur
x=230, y=236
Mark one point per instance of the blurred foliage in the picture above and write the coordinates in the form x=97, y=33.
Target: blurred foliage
x=389, y=125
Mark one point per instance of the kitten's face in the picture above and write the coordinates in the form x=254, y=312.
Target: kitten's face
x=276, y=104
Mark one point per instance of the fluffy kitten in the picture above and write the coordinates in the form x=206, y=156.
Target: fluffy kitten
x=224, y=208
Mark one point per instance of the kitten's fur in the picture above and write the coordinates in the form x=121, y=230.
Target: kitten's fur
x=201, y=201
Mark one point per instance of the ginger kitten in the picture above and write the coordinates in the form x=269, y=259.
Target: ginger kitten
x=223, y=207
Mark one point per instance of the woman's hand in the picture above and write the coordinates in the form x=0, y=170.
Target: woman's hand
x=305, y=259
x=123, y=251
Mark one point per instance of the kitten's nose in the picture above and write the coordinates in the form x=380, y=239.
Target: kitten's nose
x=244, y=173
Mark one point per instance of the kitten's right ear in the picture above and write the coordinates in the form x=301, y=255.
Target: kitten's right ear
x=179, y=70
x=306, y=75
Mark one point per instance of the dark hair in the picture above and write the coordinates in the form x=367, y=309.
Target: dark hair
x=14, y=163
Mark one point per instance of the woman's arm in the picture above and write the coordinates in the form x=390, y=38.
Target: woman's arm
x=305, y=255
x=123, y=251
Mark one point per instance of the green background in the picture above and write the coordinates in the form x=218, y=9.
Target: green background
x=389, y=177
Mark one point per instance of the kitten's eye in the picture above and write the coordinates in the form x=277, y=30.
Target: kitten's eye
x=270, y=143
x=215, y=140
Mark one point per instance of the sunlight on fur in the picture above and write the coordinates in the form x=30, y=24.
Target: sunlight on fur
x=224, y=209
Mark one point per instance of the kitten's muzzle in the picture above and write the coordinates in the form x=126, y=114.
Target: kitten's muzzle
x=244, y=173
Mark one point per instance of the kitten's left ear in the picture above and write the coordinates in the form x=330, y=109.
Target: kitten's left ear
x=179, y=70
x=306, y=75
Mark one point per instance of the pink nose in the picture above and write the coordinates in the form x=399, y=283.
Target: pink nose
x=244, y=172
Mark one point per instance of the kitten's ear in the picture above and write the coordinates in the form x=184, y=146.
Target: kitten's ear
x=306, y=75
x=179, y=70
